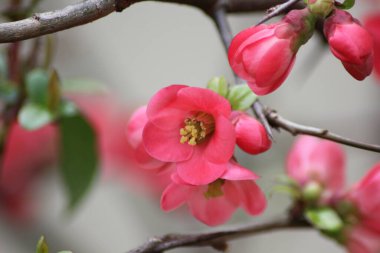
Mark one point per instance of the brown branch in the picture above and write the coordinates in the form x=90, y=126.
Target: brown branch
x=82, y=13
x=278, y=121
x=213, y=239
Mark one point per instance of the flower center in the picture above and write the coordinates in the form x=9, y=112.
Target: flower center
x=214, y=189
x=197, y=128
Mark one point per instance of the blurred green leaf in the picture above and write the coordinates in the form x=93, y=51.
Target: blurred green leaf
x=241, y=97
x=347, y=4
x=292, y=192
x=78, y=156
x=325, y=219
x=54, y=91
x=8, y=91
x=32, y=116
x=83, y=86
x=219, y=85
x=37, y=82
x=42, y=246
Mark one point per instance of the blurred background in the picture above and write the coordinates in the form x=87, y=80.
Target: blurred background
x=149, y=46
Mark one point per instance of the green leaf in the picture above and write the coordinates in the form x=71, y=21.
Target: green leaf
x=347, y=4
x=42, y=247
x=8, y=91
x=37, y=82
x=78, y=157
x=241, y=97
x=32, y=116
x=292, y=192
x=54, y=92
x=219, y=85
x=325, y=219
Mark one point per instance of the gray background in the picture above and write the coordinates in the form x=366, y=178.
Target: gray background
x=152, y=45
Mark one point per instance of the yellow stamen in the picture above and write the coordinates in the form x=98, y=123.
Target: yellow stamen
x=214, y=189
x=197, y=128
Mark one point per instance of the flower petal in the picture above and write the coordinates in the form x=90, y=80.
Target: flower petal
x=220, y=148
x=165, y=145
x=198, y=170
x=174, y=196
x=252, y=198
x=237, y=172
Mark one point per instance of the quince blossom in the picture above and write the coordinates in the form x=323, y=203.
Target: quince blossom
x=214, y=203
x=190, y=126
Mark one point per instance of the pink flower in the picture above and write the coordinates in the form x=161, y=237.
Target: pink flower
x=251, y=135
x=214, y=203
x=135, y=129
x=26, y=155
x=190, y=126
x=350, y=43
x=366, y=197
x=313, y=159
x=264, y=55
x=372, y=24
x=361, y=239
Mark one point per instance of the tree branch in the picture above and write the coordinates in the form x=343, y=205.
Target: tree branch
x=213, y=239
x=279, y=122
x=90, y=10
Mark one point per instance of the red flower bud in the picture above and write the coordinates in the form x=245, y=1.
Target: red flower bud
x=350, y=43
x=264, y=55
x=372, y=24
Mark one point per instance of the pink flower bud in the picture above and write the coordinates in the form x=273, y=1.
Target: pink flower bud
x=366, y=198
x=313, y=159
x=361, y=239
x=350, y=43
x=372, y=24
x=250, y=133
x=264, y=55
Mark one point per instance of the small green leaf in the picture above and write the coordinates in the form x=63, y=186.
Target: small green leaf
x=241, y=97
x=42, y=247
x=78, y=156
x=347, y=4
x=325, y=219
x=32, y=116
x=37, y=86
x=54, y=91
x=219, y=85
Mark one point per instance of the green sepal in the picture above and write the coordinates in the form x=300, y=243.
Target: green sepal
x=241, y=97
x=347, y=4
x=219, y=85
x=325, y=219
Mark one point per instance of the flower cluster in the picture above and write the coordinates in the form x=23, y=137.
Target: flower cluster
x=192, y=132
x=264, y=55
x=318, y=170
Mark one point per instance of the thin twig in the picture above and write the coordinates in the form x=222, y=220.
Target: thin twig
x=213, y=239
x=296, y=129
x=277, y=10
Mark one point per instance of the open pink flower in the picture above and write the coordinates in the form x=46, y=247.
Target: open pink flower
x=350, y=43
x=251, y=135
x=313, y=159
x=372, y=24
x=190, y=126
x=361, y=239
x=264, y=55
x=135, y=129
x=366, y=197
x=214, y=203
